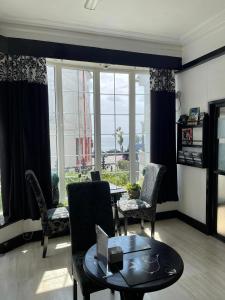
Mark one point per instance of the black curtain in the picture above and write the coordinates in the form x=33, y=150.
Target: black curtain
x=24, y=134
x=163, y=130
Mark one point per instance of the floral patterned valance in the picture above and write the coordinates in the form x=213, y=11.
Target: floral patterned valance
x=22, y=68
x=162, y=80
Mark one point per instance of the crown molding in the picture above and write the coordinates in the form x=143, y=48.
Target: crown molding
x=213, y=24
x=87, y=36
x=90, y=28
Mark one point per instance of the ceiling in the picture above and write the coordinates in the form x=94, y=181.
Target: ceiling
x=159, y=20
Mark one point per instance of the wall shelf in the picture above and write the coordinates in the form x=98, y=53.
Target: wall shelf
x=186, y=139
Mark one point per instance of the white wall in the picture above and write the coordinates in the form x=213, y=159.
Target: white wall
x=198, y=86
x=203, y=43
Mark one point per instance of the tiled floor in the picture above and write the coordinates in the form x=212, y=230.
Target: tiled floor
x=25, y=275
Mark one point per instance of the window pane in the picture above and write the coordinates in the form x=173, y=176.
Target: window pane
x=52, y=123
x=108, y=161
x=107, y=104
x=70, y=145
x=85, y=81
x=53, y=145
x=54, y=164
x=69, y=80
x=116, y=125
x=51, y=77
x=70, y=120
x=121, y=84
x=78, y=145
x=142, y=85
x=107, y=124
x=108, y=143
x=140, y=101
x=70, y=102
x=51, y=101
x=90, y=103
x=122, y=145
x=123, y=123
x=91, y=125
x=122, y=164
x=142, y=138
x=52, y=118
x=122, y=104
x=139, y=124
x=106, y=83
x=70, y=161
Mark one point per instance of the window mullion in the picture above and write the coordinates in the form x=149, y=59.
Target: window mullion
x=97, y=120
x=132, y=129
x=60, y=132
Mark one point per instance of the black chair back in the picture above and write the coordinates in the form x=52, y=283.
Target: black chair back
x=152, y=181
x=95, y=176
x=34, y=185
x=89, y=204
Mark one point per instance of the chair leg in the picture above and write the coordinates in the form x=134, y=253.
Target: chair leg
x=45, y=246
x=74, y=289
x=42, y=240
x=142, y=223
x=152, y=229
x=125, y=225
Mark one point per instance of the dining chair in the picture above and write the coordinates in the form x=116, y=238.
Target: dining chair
x=54, y=220
x=89, y=204
x=144, y=208
x=95, y=176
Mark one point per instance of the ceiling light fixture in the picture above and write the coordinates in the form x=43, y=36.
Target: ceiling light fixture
x=91, y=4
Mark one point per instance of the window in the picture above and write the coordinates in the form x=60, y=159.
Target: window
x=114, y=103
x=78, y=123
x=142, y=125
x=98, y=120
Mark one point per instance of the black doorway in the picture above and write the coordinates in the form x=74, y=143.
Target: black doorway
x=216, y=171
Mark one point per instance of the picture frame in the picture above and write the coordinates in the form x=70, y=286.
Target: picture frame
x=187, y=136
x=194, y=115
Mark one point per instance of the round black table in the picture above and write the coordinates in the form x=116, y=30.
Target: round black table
x=169, y=259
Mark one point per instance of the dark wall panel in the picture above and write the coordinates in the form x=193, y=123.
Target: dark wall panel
x=91, y=54
x=3, y=44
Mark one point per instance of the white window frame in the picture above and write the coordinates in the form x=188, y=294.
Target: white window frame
x=58, y=66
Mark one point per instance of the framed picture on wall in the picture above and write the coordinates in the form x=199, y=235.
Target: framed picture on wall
x=187, y=136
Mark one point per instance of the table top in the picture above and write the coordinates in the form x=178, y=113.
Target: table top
x=168, y=259
x=115, y=189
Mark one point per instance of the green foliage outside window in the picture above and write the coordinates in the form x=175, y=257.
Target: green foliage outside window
x=118, y=178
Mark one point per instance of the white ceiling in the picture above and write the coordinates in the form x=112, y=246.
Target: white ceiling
x=153, y=20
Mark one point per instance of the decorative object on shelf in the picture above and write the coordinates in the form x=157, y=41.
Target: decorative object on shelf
x=187, y=136
x=183, y=119
x=133, y=190
x=192, y=141
x=193, y=116
x=201, y=117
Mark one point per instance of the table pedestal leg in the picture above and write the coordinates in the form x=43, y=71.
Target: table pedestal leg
x=125, y=295
x=117, y=221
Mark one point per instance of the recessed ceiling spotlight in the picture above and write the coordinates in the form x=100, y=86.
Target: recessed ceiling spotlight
x=105, y=66
x=91, y=4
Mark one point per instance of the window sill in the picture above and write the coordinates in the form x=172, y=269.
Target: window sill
x=3, y=223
